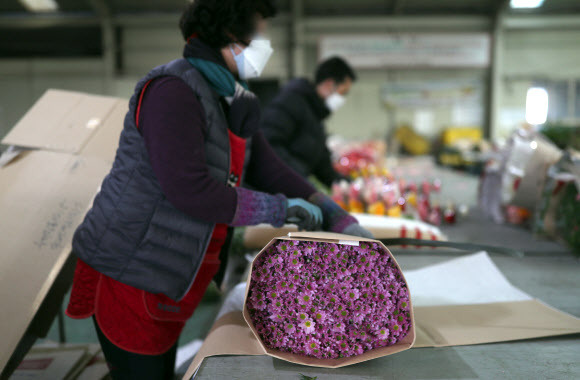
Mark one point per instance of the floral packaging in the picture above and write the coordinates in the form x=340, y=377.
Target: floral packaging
x=328, y=300
x=558, y=212
x=383, y=195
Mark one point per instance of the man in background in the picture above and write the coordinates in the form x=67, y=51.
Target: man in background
x=293, y=121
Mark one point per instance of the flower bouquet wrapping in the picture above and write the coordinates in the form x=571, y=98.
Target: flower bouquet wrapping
x=328, y=300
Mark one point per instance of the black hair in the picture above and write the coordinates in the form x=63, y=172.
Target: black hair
x=334, y=68
x=214, y=20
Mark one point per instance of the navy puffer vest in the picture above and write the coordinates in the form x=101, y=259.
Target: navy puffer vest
x=132, y=233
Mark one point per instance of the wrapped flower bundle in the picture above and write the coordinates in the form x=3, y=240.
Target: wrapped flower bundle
x=323, y=300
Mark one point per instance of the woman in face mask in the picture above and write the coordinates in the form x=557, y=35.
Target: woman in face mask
x=162, y=221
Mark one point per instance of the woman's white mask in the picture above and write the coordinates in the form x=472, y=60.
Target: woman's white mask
x=252, y=60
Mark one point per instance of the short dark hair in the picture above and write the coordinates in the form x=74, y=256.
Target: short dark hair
x=334, y=68
x=213, y=20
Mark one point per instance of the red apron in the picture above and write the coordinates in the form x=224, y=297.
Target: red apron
x=142, y=322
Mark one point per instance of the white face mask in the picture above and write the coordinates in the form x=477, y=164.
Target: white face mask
x=252, y=60
x=335, y=101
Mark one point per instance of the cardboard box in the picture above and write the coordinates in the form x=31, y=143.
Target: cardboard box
x=324, y=237
x=44, y=194
x=382, y=227
x=65, y=362
x=62, y=121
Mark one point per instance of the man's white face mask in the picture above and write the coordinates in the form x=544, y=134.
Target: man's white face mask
x=252, y=60
x=335, y=101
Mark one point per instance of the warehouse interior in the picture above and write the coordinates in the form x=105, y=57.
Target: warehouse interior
x=103, y=47
x=451, y=128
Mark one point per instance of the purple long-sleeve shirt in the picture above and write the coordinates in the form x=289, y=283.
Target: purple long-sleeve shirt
x=172, y=123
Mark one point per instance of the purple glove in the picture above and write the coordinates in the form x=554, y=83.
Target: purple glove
x=255, y=207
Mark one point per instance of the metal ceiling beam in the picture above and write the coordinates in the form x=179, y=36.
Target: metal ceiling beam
x=30, y=21
x=465, y=23
x=297, y=41
x=102, y=9
x=542, y=22
x=382, y=23
x=172, y=19
x=147, y=18
x=493, y=98
x=398, y=6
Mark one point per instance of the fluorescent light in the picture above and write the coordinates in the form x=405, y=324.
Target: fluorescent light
x=526, y=3
x=536, y=106
x=40, y=5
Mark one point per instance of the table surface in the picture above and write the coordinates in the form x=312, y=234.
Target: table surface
x=549, y=272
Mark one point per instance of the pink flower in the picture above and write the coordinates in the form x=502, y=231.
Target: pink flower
x=308, y=326
x=338, y=327
x=358, y=317
x=282, y=285
x=352, y=294
x=289, y=328
x=283, y=247
x=305, y=299
x=310, y=287
x=294, y=278
x=302, y=317
x=295, y=263
x=403, y=304
x=260, y=305
x=291, y=287
x=332, y=248
x=277, y=305
x=382, y=333
x=309, y=248
x=320, y=316
x=277, y=317
x=343, y=272
x=313, y=347
x=395, y=329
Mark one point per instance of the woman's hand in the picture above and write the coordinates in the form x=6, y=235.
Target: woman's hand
x=304, y=214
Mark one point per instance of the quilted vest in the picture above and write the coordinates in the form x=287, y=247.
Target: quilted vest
x=132, y=233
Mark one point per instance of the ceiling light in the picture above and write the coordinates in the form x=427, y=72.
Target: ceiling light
x=536, y=106
x=526, y=3
x=40, y=5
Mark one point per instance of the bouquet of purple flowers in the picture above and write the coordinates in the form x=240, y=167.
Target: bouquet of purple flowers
x=329, y=301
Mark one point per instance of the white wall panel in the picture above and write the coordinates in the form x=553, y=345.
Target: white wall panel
x=527, y=55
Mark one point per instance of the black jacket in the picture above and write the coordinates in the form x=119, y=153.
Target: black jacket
x=292, y=123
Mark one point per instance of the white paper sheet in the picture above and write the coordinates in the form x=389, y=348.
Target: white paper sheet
x=472, y=279
x=186, y=352
x=234, y=301
x=467, y=280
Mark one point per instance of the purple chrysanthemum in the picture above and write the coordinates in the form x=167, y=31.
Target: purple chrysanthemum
x=328, y=300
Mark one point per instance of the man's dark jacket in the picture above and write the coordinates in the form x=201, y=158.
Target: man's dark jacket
x=292, y=123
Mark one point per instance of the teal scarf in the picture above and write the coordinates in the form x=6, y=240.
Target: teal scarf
x=220, y=78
